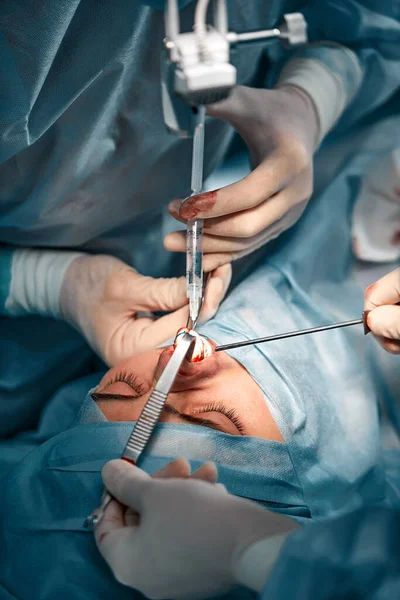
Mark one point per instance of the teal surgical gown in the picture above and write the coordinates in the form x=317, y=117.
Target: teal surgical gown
x=319, y=390
x=353, y=556
x=85, y=159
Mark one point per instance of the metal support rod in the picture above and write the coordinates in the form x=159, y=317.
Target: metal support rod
x=220, y=16
x=172, y=28
x=251, y=36
x=282, y=336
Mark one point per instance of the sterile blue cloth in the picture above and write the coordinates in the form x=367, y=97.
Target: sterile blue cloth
x=352, y=556
x=86, y=162
x=318, y=390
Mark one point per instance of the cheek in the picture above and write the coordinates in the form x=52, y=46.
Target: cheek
x=238, y=391
x=120, y=411
x=243, y=394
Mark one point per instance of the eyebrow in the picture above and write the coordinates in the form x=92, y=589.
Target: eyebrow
x=170, y=410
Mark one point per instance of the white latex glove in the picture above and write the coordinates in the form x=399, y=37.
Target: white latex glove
x=190, y=535
x=101, y=296
x=280, y=128
x=376, y=215
x=177, y=469
x=384, y=318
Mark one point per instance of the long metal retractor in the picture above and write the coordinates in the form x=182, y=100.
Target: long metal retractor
x=289, y=334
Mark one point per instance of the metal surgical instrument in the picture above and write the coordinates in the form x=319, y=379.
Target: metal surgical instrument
x=196, y=71
x=190, y=323
x=194, y=231
x=282, y=336
x=148, y=419
x=196, y=67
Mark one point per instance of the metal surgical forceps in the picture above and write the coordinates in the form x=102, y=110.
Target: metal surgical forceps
x=148, y=418
x=190, y=323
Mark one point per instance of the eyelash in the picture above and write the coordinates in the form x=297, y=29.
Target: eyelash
x=231, y=414
x=133, y=382
x=130, y=379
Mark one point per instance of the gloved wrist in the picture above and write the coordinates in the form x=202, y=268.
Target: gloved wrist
x=260, y=537
x=36, y=280
x=309, y=119
x=90, y=300
x=252, y=565
x=81, y=288
x=325, y=88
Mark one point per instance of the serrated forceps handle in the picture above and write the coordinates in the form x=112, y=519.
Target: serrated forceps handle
x=145, y=425
x=147, y=420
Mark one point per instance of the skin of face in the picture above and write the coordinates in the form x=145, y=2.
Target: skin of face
x=216, y=392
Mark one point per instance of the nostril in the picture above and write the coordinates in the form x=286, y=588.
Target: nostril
x=202, y=348
x=180, y=333
x=201, y=351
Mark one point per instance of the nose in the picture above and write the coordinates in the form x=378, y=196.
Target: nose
x=191, y=374
x=163, y=361
x=202, y=348
x=200, y=364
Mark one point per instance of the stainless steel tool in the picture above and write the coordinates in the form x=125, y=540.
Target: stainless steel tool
x=147, y=420
x=282, y=336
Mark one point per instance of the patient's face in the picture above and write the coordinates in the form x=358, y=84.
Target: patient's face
x=217, y=392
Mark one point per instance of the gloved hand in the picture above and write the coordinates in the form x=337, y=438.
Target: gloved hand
x=178, y=469
x=280, y=128
x=384, y=318
x=189, y=537
x=101, y=296
x=376, y=214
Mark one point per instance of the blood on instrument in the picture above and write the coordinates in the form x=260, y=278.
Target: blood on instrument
x=202, y=348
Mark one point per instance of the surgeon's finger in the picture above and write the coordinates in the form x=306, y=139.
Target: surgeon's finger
x=221, y=487
x=116, y=516
x=126, y=483
x=150, y=293
x=179, y=468
x=384, y=291
x=142, y=293
x=149, y=333
x=247, y=224
x=384, y=321
x=211, y=243
x=220, y=250
x=215, y=295
x=210, y=261
x=218, y=259
x=232, y=248
x=392, y=346
x=118, y=548
x=173, y=209
x=113, y=519
x=131, y=518
x=207, y=472
x=267, y=179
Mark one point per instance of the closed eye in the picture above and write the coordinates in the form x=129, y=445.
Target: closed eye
x=130, y=379
x=171, y=410
x=230, y=413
